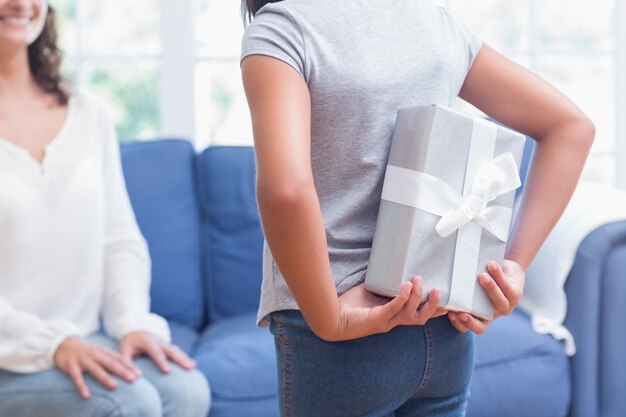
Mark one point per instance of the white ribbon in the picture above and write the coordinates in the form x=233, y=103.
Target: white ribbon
x=486, y=178
x=433, y=195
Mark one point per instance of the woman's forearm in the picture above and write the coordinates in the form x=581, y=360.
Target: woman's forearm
x=294, y=229
x=29, y=342
x=555, y=170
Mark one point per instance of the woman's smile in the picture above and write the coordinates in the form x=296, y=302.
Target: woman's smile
x=21, y=21
x=16, y=20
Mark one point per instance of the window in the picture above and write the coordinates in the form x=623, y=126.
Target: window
x=573, y=45
x=171, y=68
x=118, y=58
x=222, y=115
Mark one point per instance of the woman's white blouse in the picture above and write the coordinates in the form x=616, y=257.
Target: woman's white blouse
x=71, y=253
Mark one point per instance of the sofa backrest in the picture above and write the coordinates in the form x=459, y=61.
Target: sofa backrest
x=231, y=230
x=160, y=177
x=200, y=218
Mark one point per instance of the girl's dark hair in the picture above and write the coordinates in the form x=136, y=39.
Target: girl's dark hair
x=250, y=7
x=44, y=57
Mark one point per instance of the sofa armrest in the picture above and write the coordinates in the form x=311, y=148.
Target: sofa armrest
x=596, y=290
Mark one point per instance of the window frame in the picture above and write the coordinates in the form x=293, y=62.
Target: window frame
x=617, y=53
x=179, y=58
x=177, y=100
x=620, y=90
x=81, y=60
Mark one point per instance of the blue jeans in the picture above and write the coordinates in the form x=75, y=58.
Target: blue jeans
x=52, y=394
x=411, y=371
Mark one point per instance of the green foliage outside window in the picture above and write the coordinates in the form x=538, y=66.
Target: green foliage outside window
x=136, y=100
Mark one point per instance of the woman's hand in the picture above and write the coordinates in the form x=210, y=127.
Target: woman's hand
x=363, y=313
x=504, y=286
x=74, y=356
x=137, y=343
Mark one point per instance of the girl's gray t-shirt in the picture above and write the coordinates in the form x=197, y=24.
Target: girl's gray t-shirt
x=362, y=60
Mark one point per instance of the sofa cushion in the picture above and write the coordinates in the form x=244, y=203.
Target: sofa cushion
x=518, y=369
x=184, y=337
x=160, y=181
x=596, y=286
x=238, y=359
x=265, y=407
x=234, y=240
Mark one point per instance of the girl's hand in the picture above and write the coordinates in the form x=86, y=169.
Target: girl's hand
x=75, y=356
x=363, y=313
x=137, y=343
x=504, y=286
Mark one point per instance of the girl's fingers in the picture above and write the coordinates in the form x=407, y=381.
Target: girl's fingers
x=76, y=374
x=440, y=312
x=394, y=306
x=473, y=324
x=509, y=291
x=431, y=306
x=411, y=306
x=499, y=300
x=456, y=322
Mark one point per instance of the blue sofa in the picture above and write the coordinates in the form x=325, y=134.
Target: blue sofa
x=199, y=216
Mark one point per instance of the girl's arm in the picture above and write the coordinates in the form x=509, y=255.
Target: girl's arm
x=280, y=108
x=127, y=272
x=521, y=100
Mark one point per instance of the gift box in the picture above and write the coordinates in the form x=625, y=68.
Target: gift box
x=446, y=205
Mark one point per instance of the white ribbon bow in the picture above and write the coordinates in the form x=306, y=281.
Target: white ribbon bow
x=494, y=178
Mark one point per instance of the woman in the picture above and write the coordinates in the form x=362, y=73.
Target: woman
x=324, y=80
x=71, y=253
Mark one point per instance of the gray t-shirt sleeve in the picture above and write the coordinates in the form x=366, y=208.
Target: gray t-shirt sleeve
x=274, y=32
x=467, y=36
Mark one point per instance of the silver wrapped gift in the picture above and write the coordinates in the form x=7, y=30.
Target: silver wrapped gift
x=446, y=205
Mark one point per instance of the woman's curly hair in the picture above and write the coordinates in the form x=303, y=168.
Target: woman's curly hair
x=45, y=58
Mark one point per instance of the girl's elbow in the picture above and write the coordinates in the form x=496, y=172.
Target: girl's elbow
x=576, y=131
x=284, y=193
x=588, y=131
x=583, y=130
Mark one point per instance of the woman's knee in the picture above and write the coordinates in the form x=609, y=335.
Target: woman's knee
x=137, y=399
x=183, y=393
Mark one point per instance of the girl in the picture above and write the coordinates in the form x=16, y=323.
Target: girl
x=324, y=80
x=71, y=252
